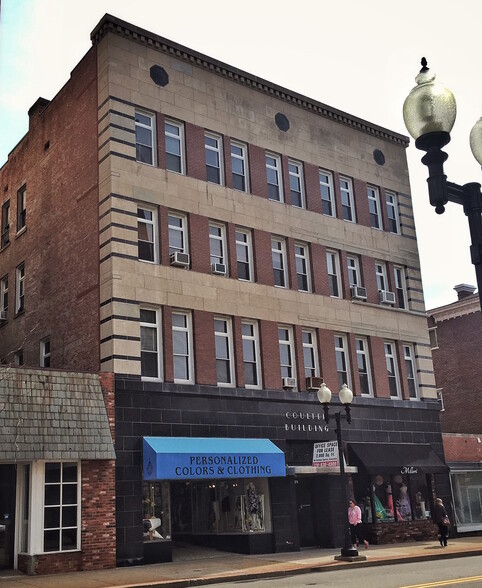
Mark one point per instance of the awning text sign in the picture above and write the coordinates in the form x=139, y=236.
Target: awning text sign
x=325, y=454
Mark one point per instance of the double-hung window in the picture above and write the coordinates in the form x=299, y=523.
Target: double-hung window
x=286, y=352
x=342, y=360
x=4, y=297
x=278, y=250
x=150, y=344
x=354, y=276
x=182, y=347
x=145, y=137
x=400, y=286
x=45, y=352
x=177, y=233
x=392, y=369
x=327, y=193
x=213, y=147
x=381, y=275
x=244, y=255
x=410, y=368
x=374, y=207
x=147, y=239
x=223, y=334
x=18, y=357
x=295, y=171
x=392, y=212
x=20, y=289
x=5, y=231
x=217, y=245
x=363, y=362
x=274, y=178
x=174, y=141
x=347, y=203
x=239, y=166
x=21, y=208
x=310, y=354
x=333, y=264
x=251, y=358
x=302, y=267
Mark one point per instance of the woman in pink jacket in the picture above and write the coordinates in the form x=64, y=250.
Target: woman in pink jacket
x=355, y=520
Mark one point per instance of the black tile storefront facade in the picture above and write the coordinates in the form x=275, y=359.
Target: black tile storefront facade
x=293, y=422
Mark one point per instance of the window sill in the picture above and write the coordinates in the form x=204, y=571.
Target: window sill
x=21, y=232
x=6, y=246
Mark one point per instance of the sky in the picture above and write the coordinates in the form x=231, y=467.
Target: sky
x=360, y=56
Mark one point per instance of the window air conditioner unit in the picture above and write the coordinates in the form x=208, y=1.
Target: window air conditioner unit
x=386, y=297
x=289, y=382
x=180, y=259
x=219, y=269
x=358, y=293
x=3, y=315
x=313, y=383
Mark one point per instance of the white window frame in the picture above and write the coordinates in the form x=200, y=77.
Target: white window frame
x=276, y=168
x=152, y=130
x=45, y=349
x=246, y=245
x=392, y=364
x=180, y=140
x=392, y=212
x=347, y=199
x=354, y=274
x=156, y=327
x=218, y=150
x=342, y=356
x=410, y=359
x=252, y=339
x=363, y=352
x=182, y=229
x=221, y=238
x=311, y=348
x=401, y=286
x=22, y=209
x=226, y=335
x=288, y=370
x=374, y=209
x=326, y=188
x=381, y=275
x=295, y=173
x=278, y=251
x=189, y=338
x=152, y=222
x=4, y=293
x=5, y=230
x=20, y=288
x=432, y=332
x=243, y=159
x=302, y=259
x=333, y=266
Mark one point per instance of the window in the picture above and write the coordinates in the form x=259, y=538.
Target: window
x=20, y=289
x=295, y=170
x=5, y=232
x=214, y=157
x=374, y=207
x=381, y=274
x=177, y=233
x=392, y=370
x=45, y=352
x=310, y=354
x=4, y=296
x=174, y=139
x=327, y=193
x=21, y=208
x=18, y=357
x=302, y=267
x=278, y=250
x=273, y=174
x=342, y=363
x=409, y=356
x=401, y=286
x=346, y=189
x=147, y=239
x=432, y=333
x=150, y=344
x=182, y=347
x=392, y=211
x=144, y=137
x=333, y=264
x=239, y=166
x=223, y=335
x=363, y=362
x=217, y=244
x=285, y=337
x=244, y=255
x=61, y=507
x=354, y=277
x=251, y=354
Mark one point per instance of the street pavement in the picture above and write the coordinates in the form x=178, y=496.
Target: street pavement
x=194, y=566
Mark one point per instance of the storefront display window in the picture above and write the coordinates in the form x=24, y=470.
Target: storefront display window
x=156, y=511
x=467, y=492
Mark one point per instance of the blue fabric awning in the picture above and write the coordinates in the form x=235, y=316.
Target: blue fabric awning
x=195, y=458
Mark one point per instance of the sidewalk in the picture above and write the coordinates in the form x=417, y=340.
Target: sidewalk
x=202, y=567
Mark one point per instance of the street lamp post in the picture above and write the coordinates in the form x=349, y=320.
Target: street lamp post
x=346, y=398
x=429, y=113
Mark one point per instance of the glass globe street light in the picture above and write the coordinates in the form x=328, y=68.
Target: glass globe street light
x=429, y=112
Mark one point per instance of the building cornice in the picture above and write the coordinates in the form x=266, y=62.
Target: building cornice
x=111, y=24
x=468, y=305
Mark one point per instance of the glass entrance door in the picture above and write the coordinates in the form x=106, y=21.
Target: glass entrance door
x=7, y=514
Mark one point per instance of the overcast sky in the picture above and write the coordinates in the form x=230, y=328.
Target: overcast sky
x=360, y=56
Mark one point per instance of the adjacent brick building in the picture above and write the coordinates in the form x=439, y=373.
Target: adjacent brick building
x=220, y=244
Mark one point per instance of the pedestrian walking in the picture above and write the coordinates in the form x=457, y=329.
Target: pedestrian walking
x=441, y=519
x=356, y=525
